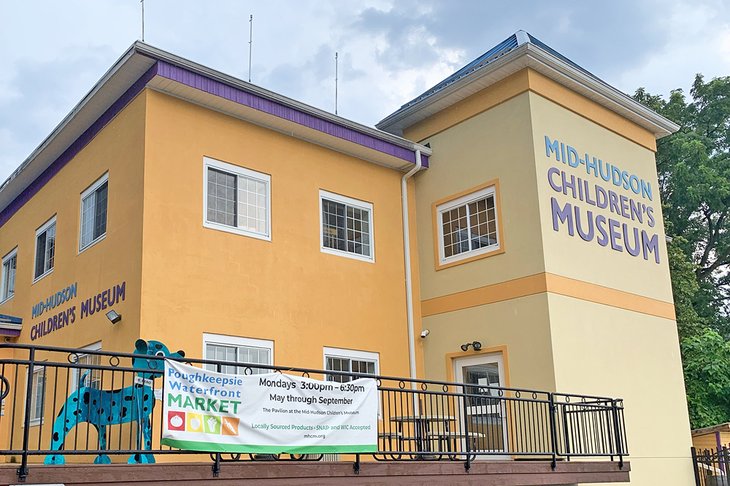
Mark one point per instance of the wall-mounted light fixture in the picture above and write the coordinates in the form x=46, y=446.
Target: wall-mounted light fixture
x=113, y=316
x=425, y=333
x=476, y=345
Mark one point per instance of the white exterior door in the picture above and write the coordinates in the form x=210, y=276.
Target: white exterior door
x=483, y=412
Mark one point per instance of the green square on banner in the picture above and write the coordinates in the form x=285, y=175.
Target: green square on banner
x=212, y=424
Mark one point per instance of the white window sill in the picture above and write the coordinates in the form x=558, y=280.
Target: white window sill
x=40, y=277
x=469, y=254
x=34, y=423
x=236, y=231
x=98, y=240
x=8, y=299
x=347, y=254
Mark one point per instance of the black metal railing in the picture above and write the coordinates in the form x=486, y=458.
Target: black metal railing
x=712, y=466
x=62, y=404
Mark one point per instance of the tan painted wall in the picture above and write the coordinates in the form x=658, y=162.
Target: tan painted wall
x=492, y=145
x=197, y=279
x=608, y=327
x=522, y=325
x=603, y=349
x=588, y=261
x=611, y=352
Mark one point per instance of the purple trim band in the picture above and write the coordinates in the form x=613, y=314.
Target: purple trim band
x=76, y=147
x=217, y=88
x=9, y=332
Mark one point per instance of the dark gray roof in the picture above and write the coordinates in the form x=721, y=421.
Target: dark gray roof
x=508, y=45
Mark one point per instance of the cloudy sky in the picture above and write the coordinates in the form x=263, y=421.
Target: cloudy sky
x=53, y=51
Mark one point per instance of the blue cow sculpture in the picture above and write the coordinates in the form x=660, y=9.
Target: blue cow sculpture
x=101, y=408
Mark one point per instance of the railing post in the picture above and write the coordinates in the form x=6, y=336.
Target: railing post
x=566, y=436
x=617, y=434
x=356, y=465
x=467, y=444
x=553, y=430
x=695, y=466
x=23, y=469
x=217, y=459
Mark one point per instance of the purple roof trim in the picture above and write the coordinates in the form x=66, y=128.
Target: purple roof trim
x=217, y=88
x=76, y=146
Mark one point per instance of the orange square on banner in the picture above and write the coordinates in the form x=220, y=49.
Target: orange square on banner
x=229, y=426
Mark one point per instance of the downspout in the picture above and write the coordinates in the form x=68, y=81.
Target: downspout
x=409, y=280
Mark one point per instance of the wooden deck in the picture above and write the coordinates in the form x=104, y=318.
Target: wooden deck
x=502, y=473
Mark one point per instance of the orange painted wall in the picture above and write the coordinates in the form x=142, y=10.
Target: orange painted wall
x=118, y=149
x=197, y=279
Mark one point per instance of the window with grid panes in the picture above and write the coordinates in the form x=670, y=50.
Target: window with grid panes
x=236, y=199
x=237, y=350
x=349, y=361
x=346, y=226
x=10, y=266
x=93, y=212
x=468, y=226
x=45, y=248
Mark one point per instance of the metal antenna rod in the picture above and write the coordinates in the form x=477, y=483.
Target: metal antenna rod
x=250, y=44
x=336, y=78
x=142, y=2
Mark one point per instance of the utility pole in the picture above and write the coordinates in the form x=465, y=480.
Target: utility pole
x=250, y=44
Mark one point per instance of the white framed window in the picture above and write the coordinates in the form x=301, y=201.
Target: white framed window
x=468, y=226
x=83, y=376
x=37, y=395
x=346, y=226
x=45, y=249
x=9, y=269
x=94, y=201
x=234, y=349
x=348, y=360
x=236, y=200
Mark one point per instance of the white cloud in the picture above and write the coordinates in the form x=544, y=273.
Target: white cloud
x=697, y=42
x=51, y=53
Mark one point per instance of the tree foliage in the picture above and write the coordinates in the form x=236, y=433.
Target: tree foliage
x=693, y=166
x=706, y=358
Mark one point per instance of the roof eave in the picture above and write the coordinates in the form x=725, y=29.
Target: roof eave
x=555, y=68
x=615, y=100
x=161, y=55
x=140, y=57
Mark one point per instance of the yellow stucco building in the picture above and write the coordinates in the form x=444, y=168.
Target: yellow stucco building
x=510, y=216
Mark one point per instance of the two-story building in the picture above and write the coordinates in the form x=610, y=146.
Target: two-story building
x=510, y=216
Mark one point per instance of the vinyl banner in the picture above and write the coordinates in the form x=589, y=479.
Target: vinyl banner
x=271, y=413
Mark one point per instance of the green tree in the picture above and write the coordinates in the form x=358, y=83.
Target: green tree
x=685, y=288
x=693, y=166
x=706, y=358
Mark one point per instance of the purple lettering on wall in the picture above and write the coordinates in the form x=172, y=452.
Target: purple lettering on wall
x=620, y=232
x=101, y=301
